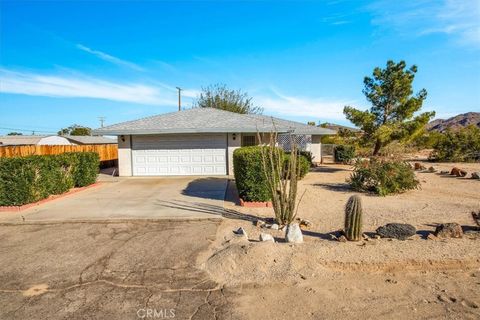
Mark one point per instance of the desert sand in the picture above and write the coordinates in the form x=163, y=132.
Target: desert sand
x=323, y=278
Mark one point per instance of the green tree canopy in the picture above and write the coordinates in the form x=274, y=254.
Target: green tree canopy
x=75, y=130
x=14, y=134
x=220, y=97
x=392, y=115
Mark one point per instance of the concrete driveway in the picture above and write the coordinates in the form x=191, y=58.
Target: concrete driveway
x=109, y=270
x=134, y=198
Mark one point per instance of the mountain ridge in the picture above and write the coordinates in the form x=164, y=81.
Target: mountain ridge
x=455, y=122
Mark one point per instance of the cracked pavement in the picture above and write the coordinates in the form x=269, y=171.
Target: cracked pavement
x=108, y=270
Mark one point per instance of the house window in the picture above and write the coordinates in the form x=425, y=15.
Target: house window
x=248, y=140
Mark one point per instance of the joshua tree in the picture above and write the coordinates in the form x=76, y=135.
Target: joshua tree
x=282, y=178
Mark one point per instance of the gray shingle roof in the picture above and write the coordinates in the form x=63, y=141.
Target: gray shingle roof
x=20, y=140
x=208, y=120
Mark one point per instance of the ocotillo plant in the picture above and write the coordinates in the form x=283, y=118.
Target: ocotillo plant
x=353, y=218
x=281, y=179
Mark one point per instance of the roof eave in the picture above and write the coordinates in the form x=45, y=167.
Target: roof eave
x=119, y=132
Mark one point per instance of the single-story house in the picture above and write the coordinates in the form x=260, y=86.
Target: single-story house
x=25, y=140
x=198, y=141
x=21, y=140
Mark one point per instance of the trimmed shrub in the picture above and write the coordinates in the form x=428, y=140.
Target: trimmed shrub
x=383, y=177
x=344, y=153
x=29, y=179
x=302, y=162
x=85, y=168
x=249, y=175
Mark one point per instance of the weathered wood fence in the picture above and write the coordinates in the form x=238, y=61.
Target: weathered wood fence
x=107, y=152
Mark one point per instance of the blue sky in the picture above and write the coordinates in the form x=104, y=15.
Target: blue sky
x=65, y=62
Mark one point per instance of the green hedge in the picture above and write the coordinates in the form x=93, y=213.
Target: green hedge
x=248, y=171
x=302, y=162
x=85, y=168
x=344, y=153
x=249, y=177
x=29, y=179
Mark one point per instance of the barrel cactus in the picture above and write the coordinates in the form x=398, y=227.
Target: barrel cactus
x=353, y=218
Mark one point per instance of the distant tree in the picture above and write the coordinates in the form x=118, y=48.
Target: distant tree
x=14, y=134
x=311, y=123
x=458, y=145
x=220, y=97
x=75, y=130
x=391, y=116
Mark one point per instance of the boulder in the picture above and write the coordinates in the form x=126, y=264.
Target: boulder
x=475, y=175
x=294, y=233
x=259, y=223
x=304, y=223
x=398, y=231
x=449, y=230
x=274, y=226
x=418, y=166
x=476, y=217
x=458, y=172
x=444, y=172
x=241, y=232
x=432, y=169
x=266, y=237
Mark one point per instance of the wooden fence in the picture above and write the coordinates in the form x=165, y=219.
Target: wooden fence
x=107, y=152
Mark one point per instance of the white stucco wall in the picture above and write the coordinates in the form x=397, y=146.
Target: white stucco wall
x=54, y=140
x=124, y=156
x=315, y=148
x=234, y=142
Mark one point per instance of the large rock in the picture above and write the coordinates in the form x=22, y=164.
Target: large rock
x=241, y=232
x=398, y=231
x=458, y=172
x=266, y=237
x=449, y=230
x=419, y=166
x=475, y=175
x=294, y=233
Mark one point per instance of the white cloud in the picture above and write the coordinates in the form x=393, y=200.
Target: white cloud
x=156, y=93
x=109, y=58
x=458, y=18
x=319, y=108
x=83, y=87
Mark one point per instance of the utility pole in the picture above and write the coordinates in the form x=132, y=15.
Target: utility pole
x=179, y=98
x=102, y=120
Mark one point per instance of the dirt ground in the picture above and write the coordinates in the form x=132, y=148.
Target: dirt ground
x=202, y=270
x=326, y=279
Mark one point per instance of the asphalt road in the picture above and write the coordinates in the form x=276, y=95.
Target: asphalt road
x=121, y=270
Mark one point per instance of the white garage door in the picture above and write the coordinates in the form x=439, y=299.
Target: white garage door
x=172, y=155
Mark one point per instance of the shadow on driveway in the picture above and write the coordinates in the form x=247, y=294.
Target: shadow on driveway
x=209, y=209
x=206, y=188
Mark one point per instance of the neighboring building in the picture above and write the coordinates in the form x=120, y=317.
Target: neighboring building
x=338, y=127
x=21, y=140
x=197, y=141
x=90, y=140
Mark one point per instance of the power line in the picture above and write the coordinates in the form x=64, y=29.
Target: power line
x=27, y=130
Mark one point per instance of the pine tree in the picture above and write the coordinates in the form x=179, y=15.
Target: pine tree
x=392, y=115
